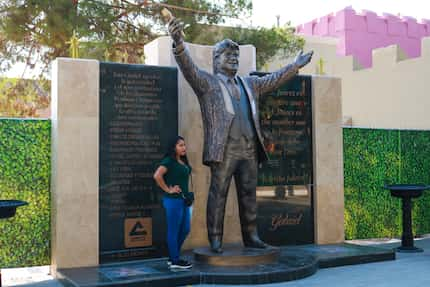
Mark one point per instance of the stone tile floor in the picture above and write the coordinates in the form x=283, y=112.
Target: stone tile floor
x=29, y=276
x=407, y=270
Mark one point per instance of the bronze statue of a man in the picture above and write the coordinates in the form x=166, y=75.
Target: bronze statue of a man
x=233, y=144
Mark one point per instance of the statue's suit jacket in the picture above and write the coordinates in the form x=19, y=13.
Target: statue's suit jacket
x=216, y=104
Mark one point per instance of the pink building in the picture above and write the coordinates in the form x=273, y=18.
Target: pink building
x=360, y=33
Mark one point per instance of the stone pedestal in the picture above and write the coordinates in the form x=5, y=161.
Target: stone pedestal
x=236, y=255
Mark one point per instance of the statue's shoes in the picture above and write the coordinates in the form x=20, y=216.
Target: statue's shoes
x=255, y=242
x=216, y=246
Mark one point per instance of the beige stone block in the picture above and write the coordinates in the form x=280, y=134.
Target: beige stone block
x=425, y=47
x=328, y=161
x=326, y=100
x=329, y=220
x=78, y=83
x=247, y=60
x=159, y=52
x=75, y=196
x=74, y=178
x=77, y=154
x=77, y=231
x=382, y=57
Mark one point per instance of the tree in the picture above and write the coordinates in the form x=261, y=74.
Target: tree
x=23, y=98
x=35, y=32
x=39, y=30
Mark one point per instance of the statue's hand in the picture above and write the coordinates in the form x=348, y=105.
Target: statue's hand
x=303, y=59
x=176, y=30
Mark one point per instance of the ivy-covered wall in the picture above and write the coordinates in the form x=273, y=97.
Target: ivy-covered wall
x=373, y=158
x=25, y=167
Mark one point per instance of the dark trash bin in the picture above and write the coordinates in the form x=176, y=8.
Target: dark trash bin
x=8, y=209
x=406, y=192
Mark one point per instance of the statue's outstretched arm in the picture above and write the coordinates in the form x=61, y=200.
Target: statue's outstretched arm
x=274, y=80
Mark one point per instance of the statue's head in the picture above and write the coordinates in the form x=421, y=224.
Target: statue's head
x=225, y=57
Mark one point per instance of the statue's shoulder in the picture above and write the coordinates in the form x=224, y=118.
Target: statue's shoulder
x=249, y=79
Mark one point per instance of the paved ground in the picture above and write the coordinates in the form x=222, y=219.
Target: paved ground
x=412, y=270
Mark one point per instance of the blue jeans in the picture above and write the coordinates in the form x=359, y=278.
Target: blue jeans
x=178, y=217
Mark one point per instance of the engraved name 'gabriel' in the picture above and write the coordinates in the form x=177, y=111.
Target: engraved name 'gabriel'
x=279, y=220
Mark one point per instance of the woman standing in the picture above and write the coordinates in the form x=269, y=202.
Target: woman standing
x=172, y=177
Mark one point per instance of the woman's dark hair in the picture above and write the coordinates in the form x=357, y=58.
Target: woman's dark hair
x=171, y=150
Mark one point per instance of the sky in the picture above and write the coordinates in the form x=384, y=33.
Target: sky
x=302, y=11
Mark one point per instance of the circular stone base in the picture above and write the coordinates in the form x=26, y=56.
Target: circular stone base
x=411, y=249
x=237, y=255
x=291, y=265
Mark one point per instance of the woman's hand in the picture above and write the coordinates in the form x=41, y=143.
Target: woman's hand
x=174, y=189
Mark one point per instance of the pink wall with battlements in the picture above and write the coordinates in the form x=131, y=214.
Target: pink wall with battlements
x=360, y=33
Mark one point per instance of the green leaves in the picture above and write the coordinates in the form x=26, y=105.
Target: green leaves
x=373, y=158
x=104, y=27
x=25, y=167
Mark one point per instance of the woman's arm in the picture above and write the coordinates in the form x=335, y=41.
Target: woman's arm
x=159, y=179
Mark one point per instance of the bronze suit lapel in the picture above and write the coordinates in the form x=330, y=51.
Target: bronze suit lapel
x=250, y=97
x=227, y=99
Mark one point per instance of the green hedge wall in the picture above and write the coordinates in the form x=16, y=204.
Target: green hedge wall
x=25, y=167
x=373, y=158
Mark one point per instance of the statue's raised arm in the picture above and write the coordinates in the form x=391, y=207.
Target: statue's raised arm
x=197, y=78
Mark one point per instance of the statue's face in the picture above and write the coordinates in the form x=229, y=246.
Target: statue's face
x=229, y=61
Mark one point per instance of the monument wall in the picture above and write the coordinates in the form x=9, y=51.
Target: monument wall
x=76, y=138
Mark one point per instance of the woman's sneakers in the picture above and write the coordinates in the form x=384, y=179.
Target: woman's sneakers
x=180, y=264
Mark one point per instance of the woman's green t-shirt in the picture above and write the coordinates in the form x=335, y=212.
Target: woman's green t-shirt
x=177, y=174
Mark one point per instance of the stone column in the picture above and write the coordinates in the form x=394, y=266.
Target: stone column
x=74, y=178
x=328, y=160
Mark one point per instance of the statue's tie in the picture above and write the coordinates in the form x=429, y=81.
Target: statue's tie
x=234, y=89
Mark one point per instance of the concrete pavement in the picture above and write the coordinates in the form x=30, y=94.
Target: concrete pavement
x=409, y=269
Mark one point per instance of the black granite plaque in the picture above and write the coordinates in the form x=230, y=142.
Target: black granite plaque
x=284, y=193
x=138, y=114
